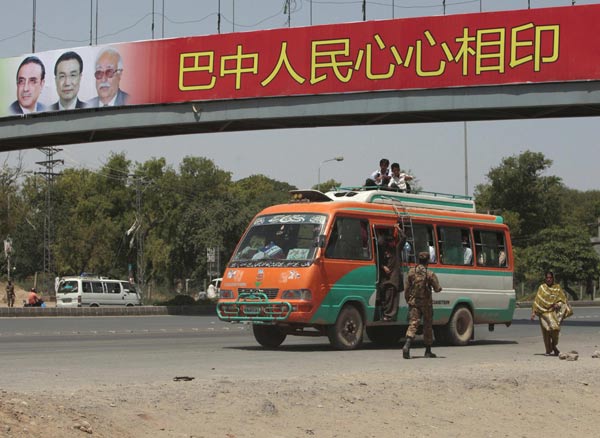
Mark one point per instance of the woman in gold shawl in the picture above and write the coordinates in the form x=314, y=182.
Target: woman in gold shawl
x=551, y=307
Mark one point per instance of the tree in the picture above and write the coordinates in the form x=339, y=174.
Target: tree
x=518, y=189
x=564, y=250
x=326, y=186
x=9, y=179
x=581, y=209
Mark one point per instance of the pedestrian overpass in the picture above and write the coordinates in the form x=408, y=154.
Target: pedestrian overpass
x=506, y=65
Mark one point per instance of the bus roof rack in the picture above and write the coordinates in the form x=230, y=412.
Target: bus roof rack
x=309, y=196
x=432, y=200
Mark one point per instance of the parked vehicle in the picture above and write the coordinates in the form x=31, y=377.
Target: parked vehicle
x=88, y=291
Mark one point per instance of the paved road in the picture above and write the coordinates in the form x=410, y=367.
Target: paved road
x=71, y=352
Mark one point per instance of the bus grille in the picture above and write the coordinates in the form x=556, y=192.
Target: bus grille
x=270, y=293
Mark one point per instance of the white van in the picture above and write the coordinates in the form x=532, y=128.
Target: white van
x=95, y=292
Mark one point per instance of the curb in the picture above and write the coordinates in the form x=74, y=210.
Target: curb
x=14, y=312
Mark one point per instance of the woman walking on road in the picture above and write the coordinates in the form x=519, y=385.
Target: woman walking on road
x=551, y=307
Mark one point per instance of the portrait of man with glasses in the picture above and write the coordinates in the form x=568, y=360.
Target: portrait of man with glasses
x=109, y=68
x=67, y=75
x=30, y=83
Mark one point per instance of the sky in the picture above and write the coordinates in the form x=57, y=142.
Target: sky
x=434, y=153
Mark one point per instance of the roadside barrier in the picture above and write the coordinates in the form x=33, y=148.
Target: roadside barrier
x=10, y=312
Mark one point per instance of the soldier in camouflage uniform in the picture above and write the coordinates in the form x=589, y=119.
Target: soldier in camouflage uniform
x=10, y=294
x=418, y=296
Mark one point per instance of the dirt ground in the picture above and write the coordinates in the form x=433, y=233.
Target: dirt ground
x=512, y=397
x=534, y=398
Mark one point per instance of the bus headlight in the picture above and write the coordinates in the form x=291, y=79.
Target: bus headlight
x=226, y=294
x=297, y=294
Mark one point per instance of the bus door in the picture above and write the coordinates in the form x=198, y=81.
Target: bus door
x=349, y=273
x=382, y=234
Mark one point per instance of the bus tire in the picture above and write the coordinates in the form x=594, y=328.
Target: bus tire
x=347, y=332
x=460, y=326
x=268, y=336
x=385, y=336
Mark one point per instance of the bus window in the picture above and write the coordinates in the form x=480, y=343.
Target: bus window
x=347, y=240
x=490, y=247
x=424, y=241
x=97, y=287
x=455, y=246
x=281, y=237
x=87, y=287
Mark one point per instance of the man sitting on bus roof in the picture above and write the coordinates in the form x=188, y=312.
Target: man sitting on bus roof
x=380, y=177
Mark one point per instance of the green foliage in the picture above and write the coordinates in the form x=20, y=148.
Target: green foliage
x=550, y=224
x=564, y=250
x=185, y=210
x=326, y=186
x=518, y=186
x=581, y=209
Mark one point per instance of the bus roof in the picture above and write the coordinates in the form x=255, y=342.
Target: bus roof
x=430, y=200
x=423, y=204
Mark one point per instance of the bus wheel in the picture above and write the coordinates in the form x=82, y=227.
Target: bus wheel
x=385, y=336
x=347, y=332
x=460, y=326
x=268, y=336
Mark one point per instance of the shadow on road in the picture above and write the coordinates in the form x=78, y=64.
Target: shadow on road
x=369, y=346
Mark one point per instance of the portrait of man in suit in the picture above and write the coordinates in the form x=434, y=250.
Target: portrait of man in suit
x=30, y=83
x=67, y=76
x=109, y=68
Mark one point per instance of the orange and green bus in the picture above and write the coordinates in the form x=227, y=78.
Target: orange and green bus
x=310, y=267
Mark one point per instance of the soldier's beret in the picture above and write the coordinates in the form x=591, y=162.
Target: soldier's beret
x=423, y=256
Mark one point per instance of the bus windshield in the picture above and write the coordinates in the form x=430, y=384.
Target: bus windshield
x=281, y=238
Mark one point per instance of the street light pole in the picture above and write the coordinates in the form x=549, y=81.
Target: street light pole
x=340, y=158
x=466, y=160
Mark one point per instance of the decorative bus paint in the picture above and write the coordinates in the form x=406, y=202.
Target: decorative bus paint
x=323, y=279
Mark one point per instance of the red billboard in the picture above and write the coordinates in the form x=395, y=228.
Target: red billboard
x=496, y=48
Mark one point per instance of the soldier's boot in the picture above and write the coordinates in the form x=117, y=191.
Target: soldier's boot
x=428, y=352
x=406, y=349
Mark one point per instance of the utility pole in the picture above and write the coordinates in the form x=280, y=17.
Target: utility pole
x=364, y=10
x=466, y=159
x=33, y=29
x=91, y=21
x=287, y=9
x=219, y=17
x=97, y=21
x=49, y=175
x=152, y=19
x=7, y=253
x=139, y=233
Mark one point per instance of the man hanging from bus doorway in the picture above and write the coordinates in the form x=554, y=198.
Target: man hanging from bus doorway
x=391, y=283
x=418, y=296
